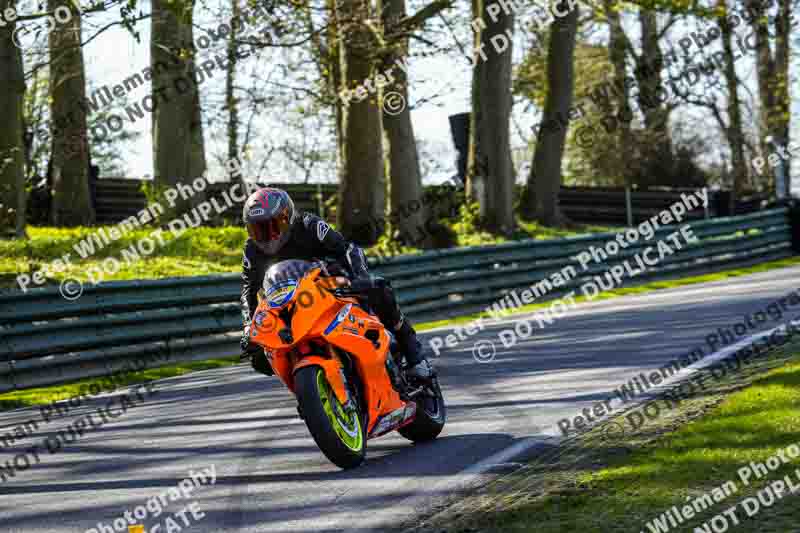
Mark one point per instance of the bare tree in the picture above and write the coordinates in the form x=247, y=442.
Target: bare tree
x=545, y=175
x=733, y=130
x=362, y=183
x=178, y=147
x=69, y=167
x=405, y=179
x=495, y=111
x=650, y=83
x=12, y=157
x=476, y=163
x=618, y=46
x=231, y=102
x=773, y=74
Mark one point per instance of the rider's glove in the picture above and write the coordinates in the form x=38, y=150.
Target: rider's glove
x=244, y=343
x=248, y=349
x=255, y=353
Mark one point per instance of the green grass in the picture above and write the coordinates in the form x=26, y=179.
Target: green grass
x=633, y=488
x=469, y=233
x=196, y=252
x=647, y=287
x=45, y=395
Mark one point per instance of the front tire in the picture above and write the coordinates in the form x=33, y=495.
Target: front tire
x=338, y=430
x=431, y=415
x=260, y=363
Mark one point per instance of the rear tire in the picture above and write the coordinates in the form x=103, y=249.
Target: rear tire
x=431, y=416
x=339, y=432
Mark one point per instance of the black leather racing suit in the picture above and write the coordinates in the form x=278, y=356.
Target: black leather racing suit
x=313, y=239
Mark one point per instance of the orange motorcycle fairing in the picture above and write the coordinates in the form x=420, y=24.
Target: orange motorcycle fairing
x=318, y=317
x=333, y=372
x=370, y=361
x=334, y=356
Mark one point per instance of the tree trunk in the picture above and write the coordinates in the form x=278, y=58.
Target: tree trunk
x=781, y=112
x=733, y=132
x=72, y=204
x=231, y=102
x=362, y=191
x=773, y=79
x=495, y=112
x=178, y=147
x=476, y=163
x=405, y=179
x=12, y=157
x=331, y=55
x=546, y=167
x=617, y=53
x=649, y=80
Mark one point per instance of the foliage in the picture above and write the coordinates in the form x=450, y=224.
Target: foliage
x=469, y=233
x=651, y=162
x=197, y=251
x=110, y=152
x=592, y=68
x=35, y=113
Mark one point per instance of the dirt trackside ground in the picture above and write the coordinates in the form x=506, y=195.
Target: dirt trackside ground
x=706, y=464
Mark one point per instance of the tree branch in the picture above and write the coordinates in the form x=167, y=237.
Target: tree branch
x=419, y=18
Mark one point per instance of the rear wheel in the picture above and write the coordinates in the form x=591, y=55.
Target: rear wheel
x=431, y=415
x=337, y=429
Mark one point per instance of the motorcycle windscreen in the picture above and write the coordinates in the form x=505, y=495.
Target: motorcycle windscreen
x=281, y=279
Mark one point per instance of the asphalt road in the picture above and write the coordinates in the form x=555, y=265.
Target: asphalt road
x=271, y=477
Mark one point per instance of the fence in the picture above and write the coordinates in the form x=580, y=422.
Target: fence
x=118, y=199
x=46, y=339
x=593, y=205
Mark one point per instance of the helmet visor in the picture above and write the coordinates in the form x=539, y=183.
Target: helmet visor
x=269, y=230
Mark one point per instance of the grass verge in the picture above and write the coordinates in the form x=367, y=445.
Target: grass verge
x=52, y=393
x=615, y=481
x=195, y=252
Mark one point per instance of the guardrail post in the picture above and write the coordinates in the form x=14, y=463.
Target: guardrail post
x=628, y=206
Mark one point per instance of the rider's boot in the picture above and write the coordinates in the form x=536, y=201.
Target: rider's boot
x=419, y=367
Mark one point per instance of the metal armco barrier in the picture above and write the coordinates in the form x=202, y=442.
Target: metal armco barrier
x=118, y=199
x=46, y=339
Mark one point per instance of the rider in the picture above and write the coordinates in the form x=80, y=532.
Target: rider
x=277, y=233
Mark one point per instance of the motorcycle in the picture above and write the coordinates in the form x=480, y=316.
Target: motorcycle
x=342, y=365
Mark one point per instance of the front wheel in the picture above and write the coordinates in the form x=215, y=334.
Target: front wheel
x=337, y=429
x=431, y=415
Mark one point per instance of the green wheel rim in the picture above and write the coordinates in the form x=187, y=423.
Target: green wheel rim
x=345, y=421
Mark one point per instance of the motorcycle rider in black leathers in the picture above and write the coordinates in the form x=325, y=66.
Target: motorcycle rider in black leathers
x=276, y=233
